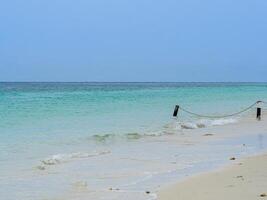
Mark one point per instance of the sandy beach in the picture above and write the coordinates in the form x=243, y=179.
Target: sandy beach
x=245, y=179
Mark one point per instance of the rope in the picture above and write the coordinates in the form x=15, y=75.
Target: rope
x=221, y=116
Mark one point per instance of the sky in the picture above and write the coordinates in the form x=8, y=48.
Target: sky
x=137, y=40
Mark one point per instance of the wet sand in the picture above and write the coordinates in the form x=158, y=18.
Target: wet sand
x=245, y=179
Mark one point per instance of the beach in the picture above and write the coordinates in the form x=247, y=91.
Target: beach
x=133, y=100
x=66, y=141
x=244, y=179
x=239, y=174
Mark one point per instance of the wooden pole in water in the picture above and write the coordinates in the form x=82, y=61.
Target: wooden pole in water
x=175, y=112
x=259, y=113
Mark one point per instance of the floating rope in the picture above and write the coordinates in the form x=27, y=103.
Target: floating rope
x=221, y=116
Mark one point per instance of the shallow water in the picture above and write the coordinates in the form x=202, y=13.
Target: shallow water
x=90, y=139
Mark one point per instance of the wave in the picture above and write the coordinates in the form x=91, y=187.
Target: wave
x=176, y=125
x=127, y=136
x=62, y=158
x=171, y=128
x=207, y=123
x=102, y=138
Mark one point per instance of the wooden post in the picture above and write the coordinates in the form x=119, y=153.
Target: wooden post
x=259, y=113
x=175, y=112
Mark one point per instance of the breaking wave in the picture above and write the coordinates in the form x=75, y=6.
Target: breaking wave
x=176, y=125
x=63, y=158
x=127, y=136
x=171, y=128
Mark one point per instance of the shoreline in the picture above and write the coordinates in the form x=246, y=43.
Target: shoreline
x=244, y=179
x=133, y=166
x=246, y=138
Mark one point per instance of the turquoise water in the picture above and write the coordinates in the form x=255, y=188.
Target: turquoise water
x=81, y=120
x=37, y=113
x=98, y=108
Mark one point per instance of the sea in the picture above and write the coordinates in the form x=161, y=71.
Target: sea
x=94, y=140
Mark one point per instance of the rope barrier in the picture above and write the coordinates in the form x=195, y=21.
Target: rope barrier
x=221, y=116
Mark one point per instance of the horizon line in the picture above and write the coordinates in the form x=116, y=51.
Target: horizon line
x=133, y=81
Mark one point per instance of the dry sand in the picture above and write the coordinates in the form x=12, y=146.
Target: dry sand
x=244, y=180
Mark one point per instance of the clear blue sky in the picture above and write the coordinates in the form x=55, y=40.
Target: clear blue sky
x=137, y=40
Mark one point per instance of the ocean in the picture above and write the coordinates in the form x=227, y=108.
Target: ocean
x=62, y=137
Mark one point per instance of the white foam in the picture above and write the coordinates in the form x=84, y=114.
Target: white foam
x=223, y=121
x=202, y=123
x=189, y=125
x=61, y=158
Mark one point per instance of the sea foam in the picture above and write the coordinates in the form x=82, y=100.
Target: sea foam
x=61, y=158
x=202, y=123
